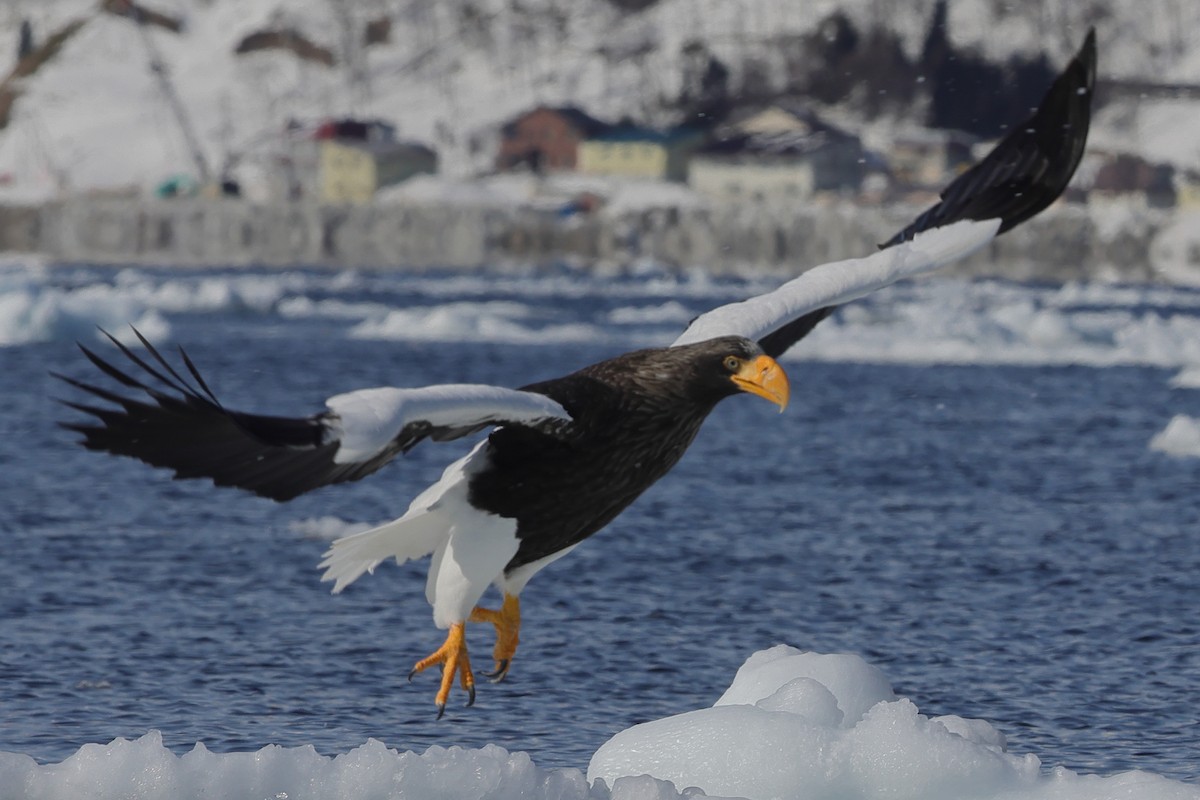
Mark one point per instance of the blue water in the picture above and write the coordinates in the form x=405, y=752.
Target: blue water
x=998, y=539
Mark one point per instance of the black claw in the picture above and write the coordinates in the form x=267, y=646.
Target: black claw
x=441, y=710
x=500, y=673
x=470, y=696
x=411, y=675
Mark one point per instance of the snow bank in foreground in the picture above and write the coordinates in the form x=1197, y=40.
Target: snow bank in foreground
x=1181, y=437
x=792, y=725
x=805, y=725
x=145, y=769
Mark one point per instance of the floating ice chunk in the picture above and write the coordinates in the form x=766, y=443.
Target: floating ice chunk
x=734, y=750
x=896, y=752
x=779, y=732
x=854, y=684
x=32, y=312
x=671, y=311
x=748, y=751
x=1188, y=378
x=327, y=528
x=974, y=730
x=143, y=769
x=806, y=698
x=1181, y=437
x=493, y=321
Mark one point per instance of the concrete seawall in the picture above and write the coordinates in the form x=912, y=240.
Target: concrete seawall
x=1065, y=243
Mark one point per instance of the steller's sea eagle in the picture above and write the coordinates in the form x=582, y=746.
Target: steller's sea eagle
x=564, y=456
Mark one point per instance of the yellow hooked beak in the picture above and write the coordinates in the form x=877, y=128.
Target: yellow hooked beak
x=764, y=377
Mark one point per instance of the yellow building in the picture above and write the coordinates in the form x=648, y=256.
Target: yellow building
x=352, y=171
x=780, y=154
x=633, y=152
x=347, y=173
x=1187, y=189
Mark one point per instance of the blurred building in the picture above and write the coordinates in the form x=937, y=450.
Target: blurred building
x=781, y=152
x=1187, y=188
x=929, y=158
x=633, y=151
x=1127, y=177
x=349, y=160
x=546, y=139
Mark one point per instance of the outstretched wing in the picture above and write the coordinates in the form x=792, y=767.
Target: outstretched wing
x=180, y=425
x=1031, y=166
x=821, y=288
x=1025, y=172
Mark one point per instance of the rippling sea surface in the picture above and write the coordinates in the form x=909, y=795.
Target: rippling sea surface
x=962, y=492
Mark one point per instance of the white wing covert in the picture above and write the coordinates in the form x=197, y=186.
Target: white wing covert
x=369, y=421
x=840, y=282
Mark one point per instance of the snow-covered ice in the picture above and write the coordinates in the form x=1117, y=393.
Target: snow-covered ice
x=327, y=528
x=793, y=724
x=1180, y=438
x=33, y=310
x=491, y=321
x=1188, y=378
x=808, y=725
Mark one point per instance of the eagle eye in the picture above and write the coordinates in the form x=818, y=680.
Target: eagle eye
x=733, y=363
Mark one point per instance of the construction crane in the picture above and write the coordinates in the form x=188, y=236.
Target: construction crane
x=162, y=74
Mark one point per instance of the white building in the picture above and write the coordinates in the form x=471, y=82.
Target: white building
x=779, y=153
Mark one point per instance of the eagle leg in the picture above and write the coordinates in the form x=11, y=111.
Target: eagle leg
x=452, y=655
x=508, y=626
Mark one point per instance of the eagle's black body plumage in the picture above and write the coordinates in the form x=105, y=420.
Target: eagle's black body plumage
x=634, y=416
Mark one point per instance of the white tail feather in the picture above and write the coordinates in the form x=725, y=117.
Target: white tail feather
x=415, y=535
x=423, y=528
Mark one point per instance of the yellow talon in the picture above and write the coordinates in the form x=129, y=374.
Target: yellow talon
x=452, y=655
x=508, y=626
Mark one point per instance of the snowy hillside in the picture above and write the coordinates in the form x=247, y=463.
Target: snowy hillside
x=95, y=117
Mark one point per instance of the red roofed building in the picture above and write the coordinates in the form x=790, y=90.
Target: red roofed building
x=546, y=139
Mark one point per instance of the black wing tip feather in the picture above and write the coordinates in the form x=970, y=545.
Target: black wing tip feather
x=1031, y=166
x=185, y=429
x=1022, y=175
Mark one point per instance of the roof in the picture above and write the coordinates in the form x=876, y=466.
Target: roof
x=775, y=144
x=770, y=117
x=809, y=134
x=356, y=129
x=414, y=149
x=576, y=117
x=934, y=138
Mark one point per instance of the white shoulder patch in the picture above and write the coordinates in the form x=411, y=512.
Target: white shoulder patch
x=368, y=419
x=840, y=282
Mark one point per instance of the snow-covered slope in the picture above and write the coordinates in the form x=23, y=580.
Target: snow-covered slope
x=94, y=117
